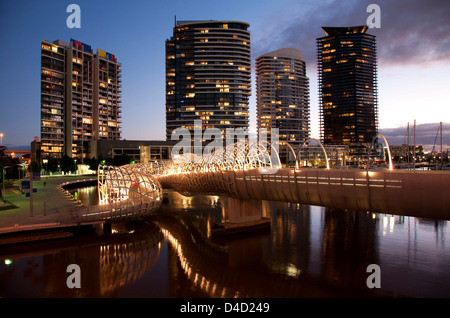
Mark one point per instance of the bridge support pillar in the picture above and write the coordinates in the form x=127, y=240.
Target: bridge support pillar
x=102, y=228
x=242, y=216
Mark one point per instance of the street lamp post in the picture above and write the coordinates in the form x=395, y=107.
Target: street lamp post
x=3, y=182
x=1, y=139
x=45, y=161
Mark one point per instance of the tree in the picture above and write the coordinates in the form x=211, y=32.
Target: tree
x=68, y=164
x=92, y=163
x=12, y=172
x=34, y=167
x=52, y=165
x=2, y=151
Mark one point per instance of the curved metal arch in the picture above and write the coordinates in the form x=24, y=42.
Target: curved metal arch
x=254, y=159
x=316, y=140
x=276, y=152
x=240, y=155
x=293, y=152
x=388, y=149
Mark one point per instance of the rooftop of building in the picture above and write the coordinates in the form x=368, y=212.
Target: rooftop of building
x=333, y=31
x=285, y=52
x=188, y=22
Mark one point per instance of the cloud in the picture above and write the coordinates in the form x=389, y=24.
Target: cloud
x=427, y=134
x=412, y=31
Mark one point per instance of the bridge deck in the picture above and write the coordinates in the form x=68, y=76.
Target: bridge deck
x=414, y=193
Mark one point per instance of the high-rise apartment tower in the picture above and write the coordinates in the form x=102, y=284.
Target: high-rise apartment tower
x=208, y=75
x=347, y=74
x=80, y=98
x=282, y=99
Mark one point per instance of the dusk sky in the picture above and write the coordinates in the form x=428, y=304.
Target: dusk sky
x=413, y=46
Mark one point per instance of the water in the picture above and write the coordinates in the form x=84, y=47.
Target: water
x=308, y=251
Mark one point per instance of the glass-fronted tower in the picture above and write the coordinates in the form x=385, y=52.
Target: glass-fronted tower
x=208, y=75
x=282, y=97
x=347, y=75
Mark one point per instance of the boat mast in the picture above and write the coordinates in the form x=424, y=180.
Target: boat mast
x=407, y=138
x=442, y=154
x=414, y=148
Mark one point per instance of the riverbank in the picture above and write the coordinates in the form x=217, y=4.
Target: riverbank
x=50, y=205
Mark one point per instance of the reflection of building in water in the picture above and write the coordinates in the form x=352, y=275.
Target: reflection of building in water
x=208, y=208
x=290, y=228
x=349, y=240
x=121, y=260
x=239, y=267
x=122, y=264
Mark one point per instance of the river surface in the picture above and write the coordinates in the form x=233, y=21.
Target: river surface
x=308, y=251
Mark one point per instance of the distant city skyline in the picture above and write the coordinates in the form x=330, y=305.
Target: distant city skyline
x=413, y=46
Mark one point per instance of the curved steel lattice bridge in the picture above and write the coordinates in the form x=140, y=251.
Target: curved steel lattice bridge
x=128, y=192
x=253, y=171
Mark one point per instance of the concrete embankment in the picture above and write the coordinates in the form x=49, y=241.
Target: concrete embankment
x=49, y=214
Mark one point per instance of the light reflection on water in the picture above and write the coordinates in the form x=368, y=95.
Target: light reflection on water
x=309, y=251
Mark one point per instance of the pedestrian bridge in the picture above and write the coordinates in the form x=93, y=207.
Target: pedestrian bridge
x=255, y=173
x=413, y=193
